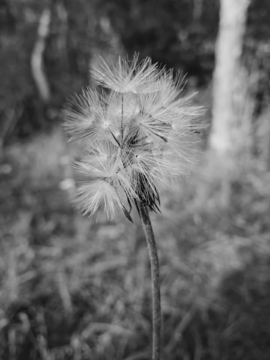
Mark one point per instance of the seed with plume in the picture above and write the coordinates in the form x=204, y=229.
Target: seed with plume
x=137, y=133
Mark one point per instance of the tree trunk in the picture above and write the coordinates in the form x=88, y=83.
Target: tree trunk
x=197, y=10
x=37, y=63
x=227, y=71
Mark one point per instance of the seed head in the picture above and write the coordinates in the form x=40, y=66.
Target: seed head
x=137, y=133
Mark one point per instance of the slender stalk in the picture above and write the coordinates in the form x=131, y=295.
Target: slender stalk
x=122, y=119
x=153, y=255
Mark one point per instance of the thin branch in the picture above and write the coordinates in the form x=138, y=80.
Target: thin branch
x=37, y=56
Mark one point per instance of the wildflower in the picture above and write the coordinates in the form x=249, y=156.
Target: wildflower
x=137, y=136
x=125, y=77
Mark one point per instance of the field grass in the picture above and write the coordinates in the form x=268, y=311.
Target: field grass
x=72, y=288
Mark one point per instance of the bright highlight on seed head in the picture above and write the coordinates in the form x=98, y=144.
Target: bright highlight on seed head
x=138, y=135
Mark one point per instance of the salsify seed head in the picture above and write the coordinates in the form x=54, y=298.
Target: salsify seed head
x=137, y=133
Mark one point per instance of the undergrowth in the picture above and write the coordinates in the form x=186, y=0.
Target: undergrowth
x=72, y=288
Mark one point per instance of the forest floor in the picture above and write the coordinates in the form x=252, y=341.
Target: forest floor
x=73, y=288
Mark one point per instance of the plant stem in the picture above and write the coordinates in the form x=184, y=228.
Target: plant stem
x=153, y=255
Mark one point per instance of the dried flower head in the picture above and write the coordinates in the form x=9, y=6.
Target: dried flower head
x=137, y=134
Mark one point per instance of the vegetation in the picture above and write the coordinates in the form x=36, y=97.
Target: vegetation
x=72, y=288
x=75, y=289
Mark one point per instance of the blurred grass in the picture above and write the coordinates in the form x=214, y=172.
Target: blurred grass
x=72, y=288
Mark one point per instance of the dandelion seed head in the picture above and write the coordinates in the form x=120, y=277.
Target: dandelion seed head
x=138, y=136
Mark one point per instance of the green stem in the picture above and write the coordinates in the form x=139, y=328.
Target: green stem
x=153, y=255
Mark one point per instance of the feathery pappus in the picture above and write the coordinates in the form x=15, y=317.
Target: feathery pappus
x=137, y=133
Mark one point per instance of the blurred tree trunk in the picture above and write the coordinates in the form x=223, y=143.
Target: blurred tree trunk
x=37, y=62
x=227, y=75
x=197, y=10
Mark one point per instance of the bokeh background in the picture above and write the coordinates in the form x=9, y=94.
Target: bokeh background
x=74, y=288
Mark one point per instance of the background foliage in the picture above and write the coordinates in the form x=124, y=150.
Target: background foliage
x=170, y=32
x=71, y=288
